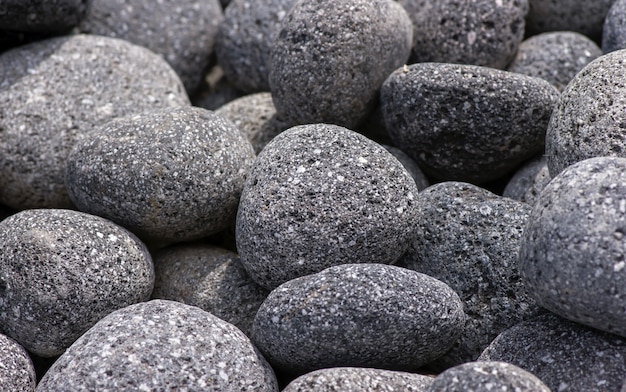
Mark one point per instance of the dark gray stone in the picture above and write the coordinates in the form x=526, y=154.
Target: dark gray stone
x=210, y=278
x=50, y=16
x=183, y=32
x=573, y=254
x=556, y=56
x=469, y=238
x=358, y=380
x=172, y=174
x=331, y=57
x=528, y=181
x=321, y=195
x=564, y=355
x=480, y=32
x=614, y=31
x=17, y=373
x=486, y=377
x=363, y=315
x=246, y=38
x=61, y=271
x=55, y=91
x=464, y=122
x=420, y=179
x=161, y=345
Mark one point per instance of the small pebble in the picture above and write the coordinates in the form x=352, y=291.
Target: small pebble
x=17, y=373
x=528, y=181
x=614, y=32
x=58, y=16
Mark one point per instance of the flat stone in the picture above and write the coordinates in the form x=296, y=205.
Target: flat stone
x=56, y=16
x=614, y=31
x=528, y=181
x=17, y=373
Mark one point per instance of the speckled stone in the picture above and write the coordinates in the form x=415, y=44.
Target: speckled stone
x=469, y=238
x=53, y=92
x=51, y=16
x=409, y=164
x=614, y=31
x=17, y=373
x=161, y=345
x=528, y=181
x=254, y=115
x=320, y=195
x=61, y=271
x=331, y=57
x=182, y=31
x=556, y=56
x=172, y=174
x=464, y=122
x=363, y=315
x=358, y=380
x=486, y=377
x=246, y=38
x=480, y=32
x=210, y=278
x=564, y=355
x=572, y=256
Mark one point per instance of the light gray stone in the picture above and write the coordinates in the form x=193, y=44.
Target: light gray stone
x=17, y=373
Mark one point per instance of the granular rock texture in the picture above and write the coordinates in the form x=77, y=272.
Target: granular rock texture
x=614, y=32
x=564, y=355
x=528, y=182
x=61, y=271
x=51, y=16
x=409, y=164
x=364, y=315
x=182, y=31
x=469, y=238
x=17, y=373
x=210, y=278
x=464, y=122
x=556, y=56
x=172, y=174
x=321, y=195
x=161, y=345
x=358, y=380
x=331, y=57
x=480, y=32
x=573, y=253
x=55, y=91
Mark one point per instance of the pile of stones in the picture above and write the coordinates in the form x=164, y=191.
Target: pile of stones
x=313, y=195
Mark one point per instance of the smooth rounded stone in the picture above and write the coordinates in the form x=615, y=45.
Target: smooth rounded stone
x=363, y=315
x=320, y=195
x=469, y=238
x=528, y=182
x=464, y=122
x=331, y=57
x=210, y=278
x=556, y=56
x=355, y=379
x=161, y=345
x=572, y=256
x=585, y=17
x=245, y=40
x=614, y=31
x=183, y=32
x=17, y=373
x=564, y=355
x=55, y=91
x=480, y=32
x=254, y=115
x=172, y=174
x=420, y=179
x=57, y=16
x=61, y=271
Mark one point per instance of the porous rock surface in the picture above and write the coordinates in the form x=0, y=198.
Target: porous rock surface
x=17, y=373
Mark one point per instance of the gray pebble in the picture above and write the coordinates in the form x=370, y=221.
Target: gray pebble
x=183, y=32
x=61, y=271
x=364, y=315
x=409, y=164
x=320, y=195
x=464, y=122
x=172, y=174
x=331, y=57
x=469, y=238
x=17, y=373
x=614, y=32
x=157, y=346
x=55, y=91
x=528, y=181
x=556, y=56
x=480, y=32
x=486, y=377
x=562, y=354
x=572, y=256
x=56, y=16
x=358, y=380
x=210, y=278
x=246, y=38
